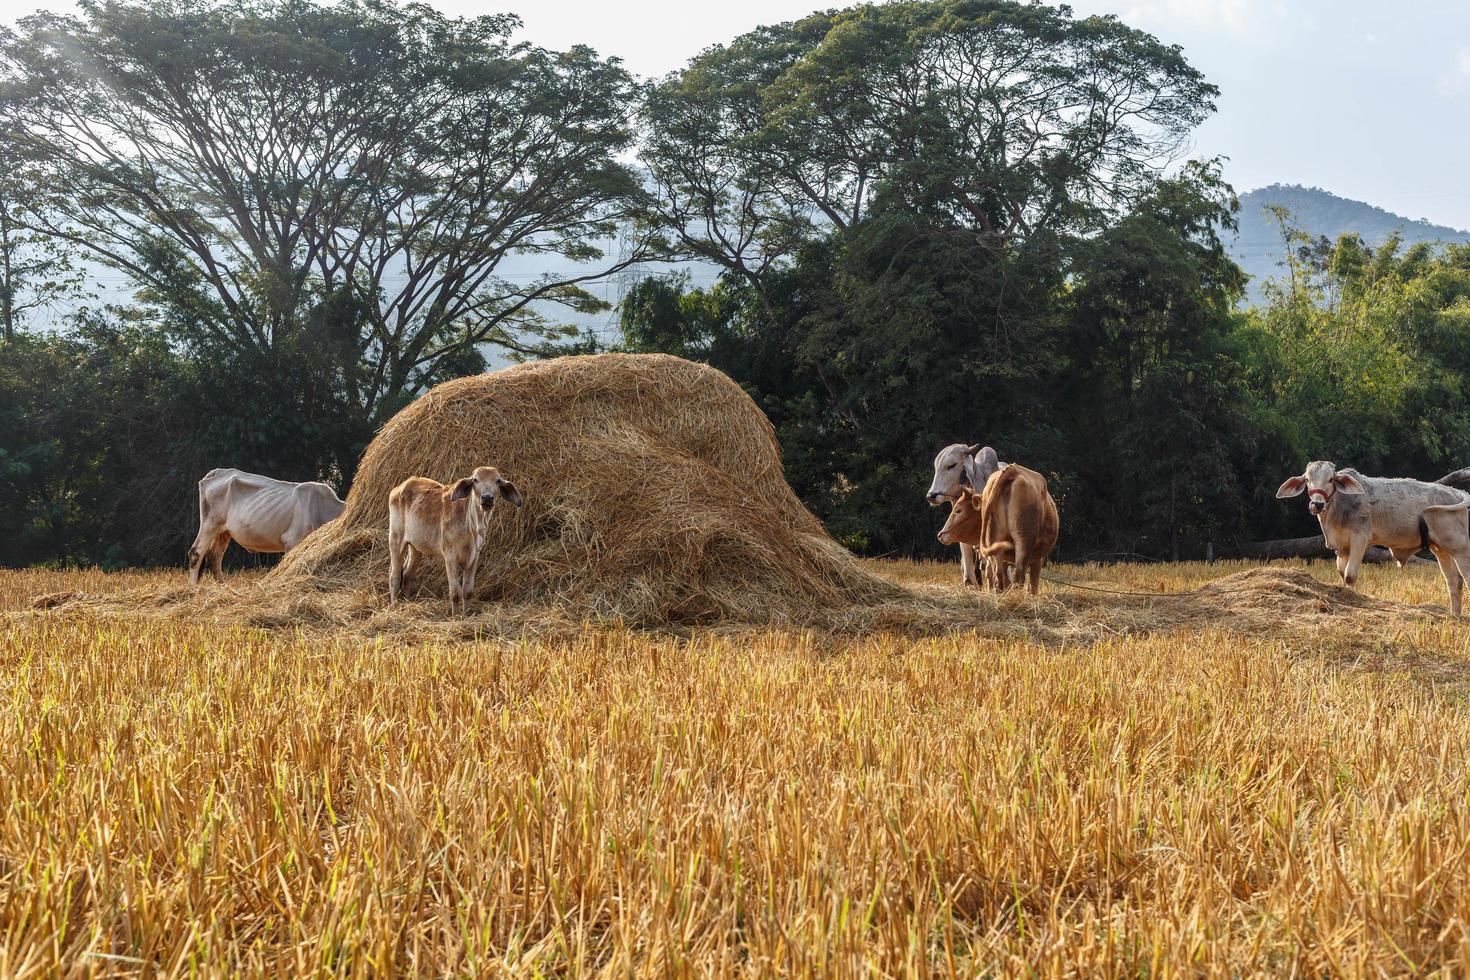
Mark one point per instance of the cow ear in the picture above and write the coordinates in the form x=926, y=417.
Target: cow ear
x=1347, y=483
x=1292, y=487
x=509, y=492
x=462, y=488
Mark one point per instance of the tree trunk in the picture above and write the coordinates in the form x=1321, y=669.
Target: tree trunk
x=7, y=279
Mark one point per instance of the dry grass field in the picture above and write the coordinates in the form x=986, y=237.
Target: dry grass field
x=1152, y=793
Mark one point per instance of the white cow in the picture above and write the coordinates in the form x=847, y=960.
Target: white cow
x=256, y=512
x=1404, y=516
x=959, y=466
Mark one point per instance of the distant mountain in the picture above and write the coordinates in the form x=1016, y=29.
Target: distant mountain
x=1257, y=246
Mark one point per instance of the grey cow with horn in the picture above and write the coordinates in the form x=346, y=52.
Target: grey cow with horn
x=959, y=466
x=1404, y=516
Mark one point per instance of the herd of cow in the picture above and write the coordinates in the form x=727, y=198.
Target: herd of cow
x=1003, y=522
x=1002, y=516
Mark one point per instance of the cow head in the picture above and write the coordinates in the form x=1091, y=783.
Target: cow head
x=488, y=485
x=195, y=564
x=1322, y=482
x=963, y=523
x=960, y=466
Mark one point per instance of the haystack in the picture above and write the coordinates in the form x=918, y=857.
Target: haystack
x=654, y=495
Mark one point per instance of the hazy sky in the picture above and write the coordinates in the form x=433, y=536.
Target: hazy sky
x=1369, y=100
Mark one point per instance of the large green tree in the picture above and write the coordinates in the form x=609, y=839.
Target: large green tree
x=1010, y=119
x=256, y=162
x=1156, y=417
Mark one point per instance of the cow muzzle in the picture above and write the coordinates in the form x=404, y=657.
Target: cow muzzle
x=935, y=498
x=487, y=500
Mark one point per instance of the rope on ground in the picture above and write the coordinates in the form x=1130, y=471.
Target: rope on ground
x=1094, y=588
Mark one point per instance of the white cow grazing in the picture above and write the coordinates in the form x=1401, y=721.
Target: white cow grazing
x=256, y=512
x=960, y=466
x=1404, y=516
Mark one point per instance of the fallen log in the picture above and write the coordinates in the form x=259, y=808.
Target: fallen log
x=1310, y=547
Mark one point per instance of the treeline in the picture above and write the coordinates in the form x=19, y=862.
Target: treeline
x=933, y=221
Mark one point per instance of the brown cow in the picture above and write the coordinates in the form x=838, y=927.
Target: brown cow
x=1013, y=523
x=427, y=518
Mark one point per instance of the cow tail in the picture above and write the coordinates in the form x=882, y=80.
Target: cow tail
x=1463, y=504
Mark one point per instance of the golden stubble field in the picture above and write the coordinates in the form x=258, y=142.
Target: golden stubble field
x=192, y=797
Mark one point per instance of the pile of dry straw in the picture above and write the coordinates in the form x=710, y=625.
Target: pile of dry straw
x=654, y=494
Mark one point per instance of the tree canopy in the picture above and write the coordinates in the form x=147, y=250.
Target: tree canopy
x=1014, y=120
x=264, y=164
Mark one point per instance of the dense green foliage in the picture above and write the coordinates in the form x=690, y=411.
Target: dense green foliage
x=934, y=221
x=105, y=430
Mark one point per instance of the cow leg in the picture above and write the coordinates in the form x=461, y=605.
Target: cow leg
x=452, y=573
x=967, y=565
x=467, y=582
x=217, y=555
x=1462, y=565
x=995, y=572
x=396, y=547
x=1454, y=577
x=410, y=567
x=198, y=555
x=199, y=552
x=1356, y=551
x=1021, y=567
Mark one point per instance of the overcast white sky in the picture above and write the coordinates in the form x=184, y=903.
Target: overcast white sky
x=1366, y=99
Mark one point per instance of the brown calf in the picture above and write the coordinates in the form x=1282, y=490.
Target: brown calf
x=427, y=518
x=962, y=527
